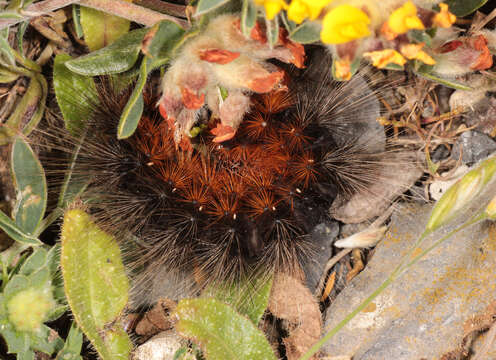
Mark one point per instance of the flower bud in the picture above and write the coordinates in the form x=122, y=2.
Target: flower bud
x=367, y=238
x=461, y=193
x=28, y=309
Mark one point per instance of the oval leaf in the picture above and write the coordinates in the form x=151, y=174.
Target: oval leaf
x=464, y=7
x=446, y=82
x=31, y=187
x=220, y=331
x=204, y=6
x=248, y=17
x=134, y=108
x=249, y=297
x=95, y=283
x=76, y=94
x=115, y=58
x=101, y=29
x=162, y=39
x=11, y=229
x=306, y=33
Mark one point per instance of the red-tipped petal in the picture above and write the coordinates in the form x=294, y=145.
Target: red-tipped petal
x=450, y=46
x=485, y=59
x=191, y=100
x=218, y=56
x=258, y=34
x=266, y=83
x=223, y=133
x=297, y=50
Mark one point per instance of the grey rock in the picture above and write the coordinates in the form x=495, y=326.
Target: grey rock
x=475, y=146
x=162, y=346
x=421, y=315
x=322, y=238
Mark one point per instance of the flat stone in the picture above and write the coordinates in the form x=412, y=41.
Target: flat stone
x=323, y=236
x=421, y=314
x=475, y=146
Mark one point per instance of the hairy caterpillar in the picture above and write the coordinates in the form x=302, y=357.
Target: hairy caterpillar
x=226, y=211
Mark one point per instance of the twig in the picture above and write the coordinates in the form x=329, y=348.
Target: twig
x=133, y=12
x=163, y=7
x=121, y=8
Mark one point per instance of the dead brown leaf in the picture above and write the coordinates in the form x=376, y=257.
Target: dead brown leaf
x=157, y=319
x=293, y=302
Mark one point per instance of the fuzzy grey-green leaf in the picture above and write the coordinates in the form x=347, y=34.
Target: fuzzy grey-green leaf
x=204, y=6
x=95, y=283
x=31, y=187
x=70, y=86
x=464, y=7
x=113, y=59
x=220, y=331
x=306, y=33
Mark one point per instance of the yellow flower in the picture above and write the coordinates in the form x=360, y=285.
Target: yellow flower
x=381, y=59
x=299, y=10
x=272, y=7
x=344, y=23
x=342, y=69
x=414, y=51
x=443, y=18
x=404, y=18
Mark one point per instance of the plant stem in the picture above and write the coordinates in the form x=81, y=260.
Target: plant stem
x=120, y=8
x=133, y=12
x=395, y=274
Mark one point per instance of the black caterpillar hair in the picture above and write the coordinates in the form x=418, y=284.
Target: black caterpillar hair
x=244, y=207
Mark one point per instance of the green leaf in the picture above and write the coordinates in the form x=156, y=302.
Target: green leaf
x=113, y=59
x=464, y=7
x=46, y=340
x=220, y=331
x=72, y=346
x=134, y=108
x=420, y=36
x=76, y=18
x=11, y=229
x=29, y=178
x=20, y=36
x=101, y=29
x=6, y=75
x=34, y=262
x=306, y=33
x=5, y=48
x=272, y=31
x=26, y=109
x=76, y=94
x=446, y=82
x=162, y=39
x=16, y=284
x=248, y=17
x=205, y=6
x=96, y=285
x=249, y=297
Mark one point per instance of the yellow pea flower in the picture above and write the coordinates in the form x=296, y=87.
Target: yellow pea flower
x=415, y=52
x=299, y=10
x=342, y=69
x=443, y=18
x=404, y=18
x=382, y=58
x=272, y=7
x=344, y=23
